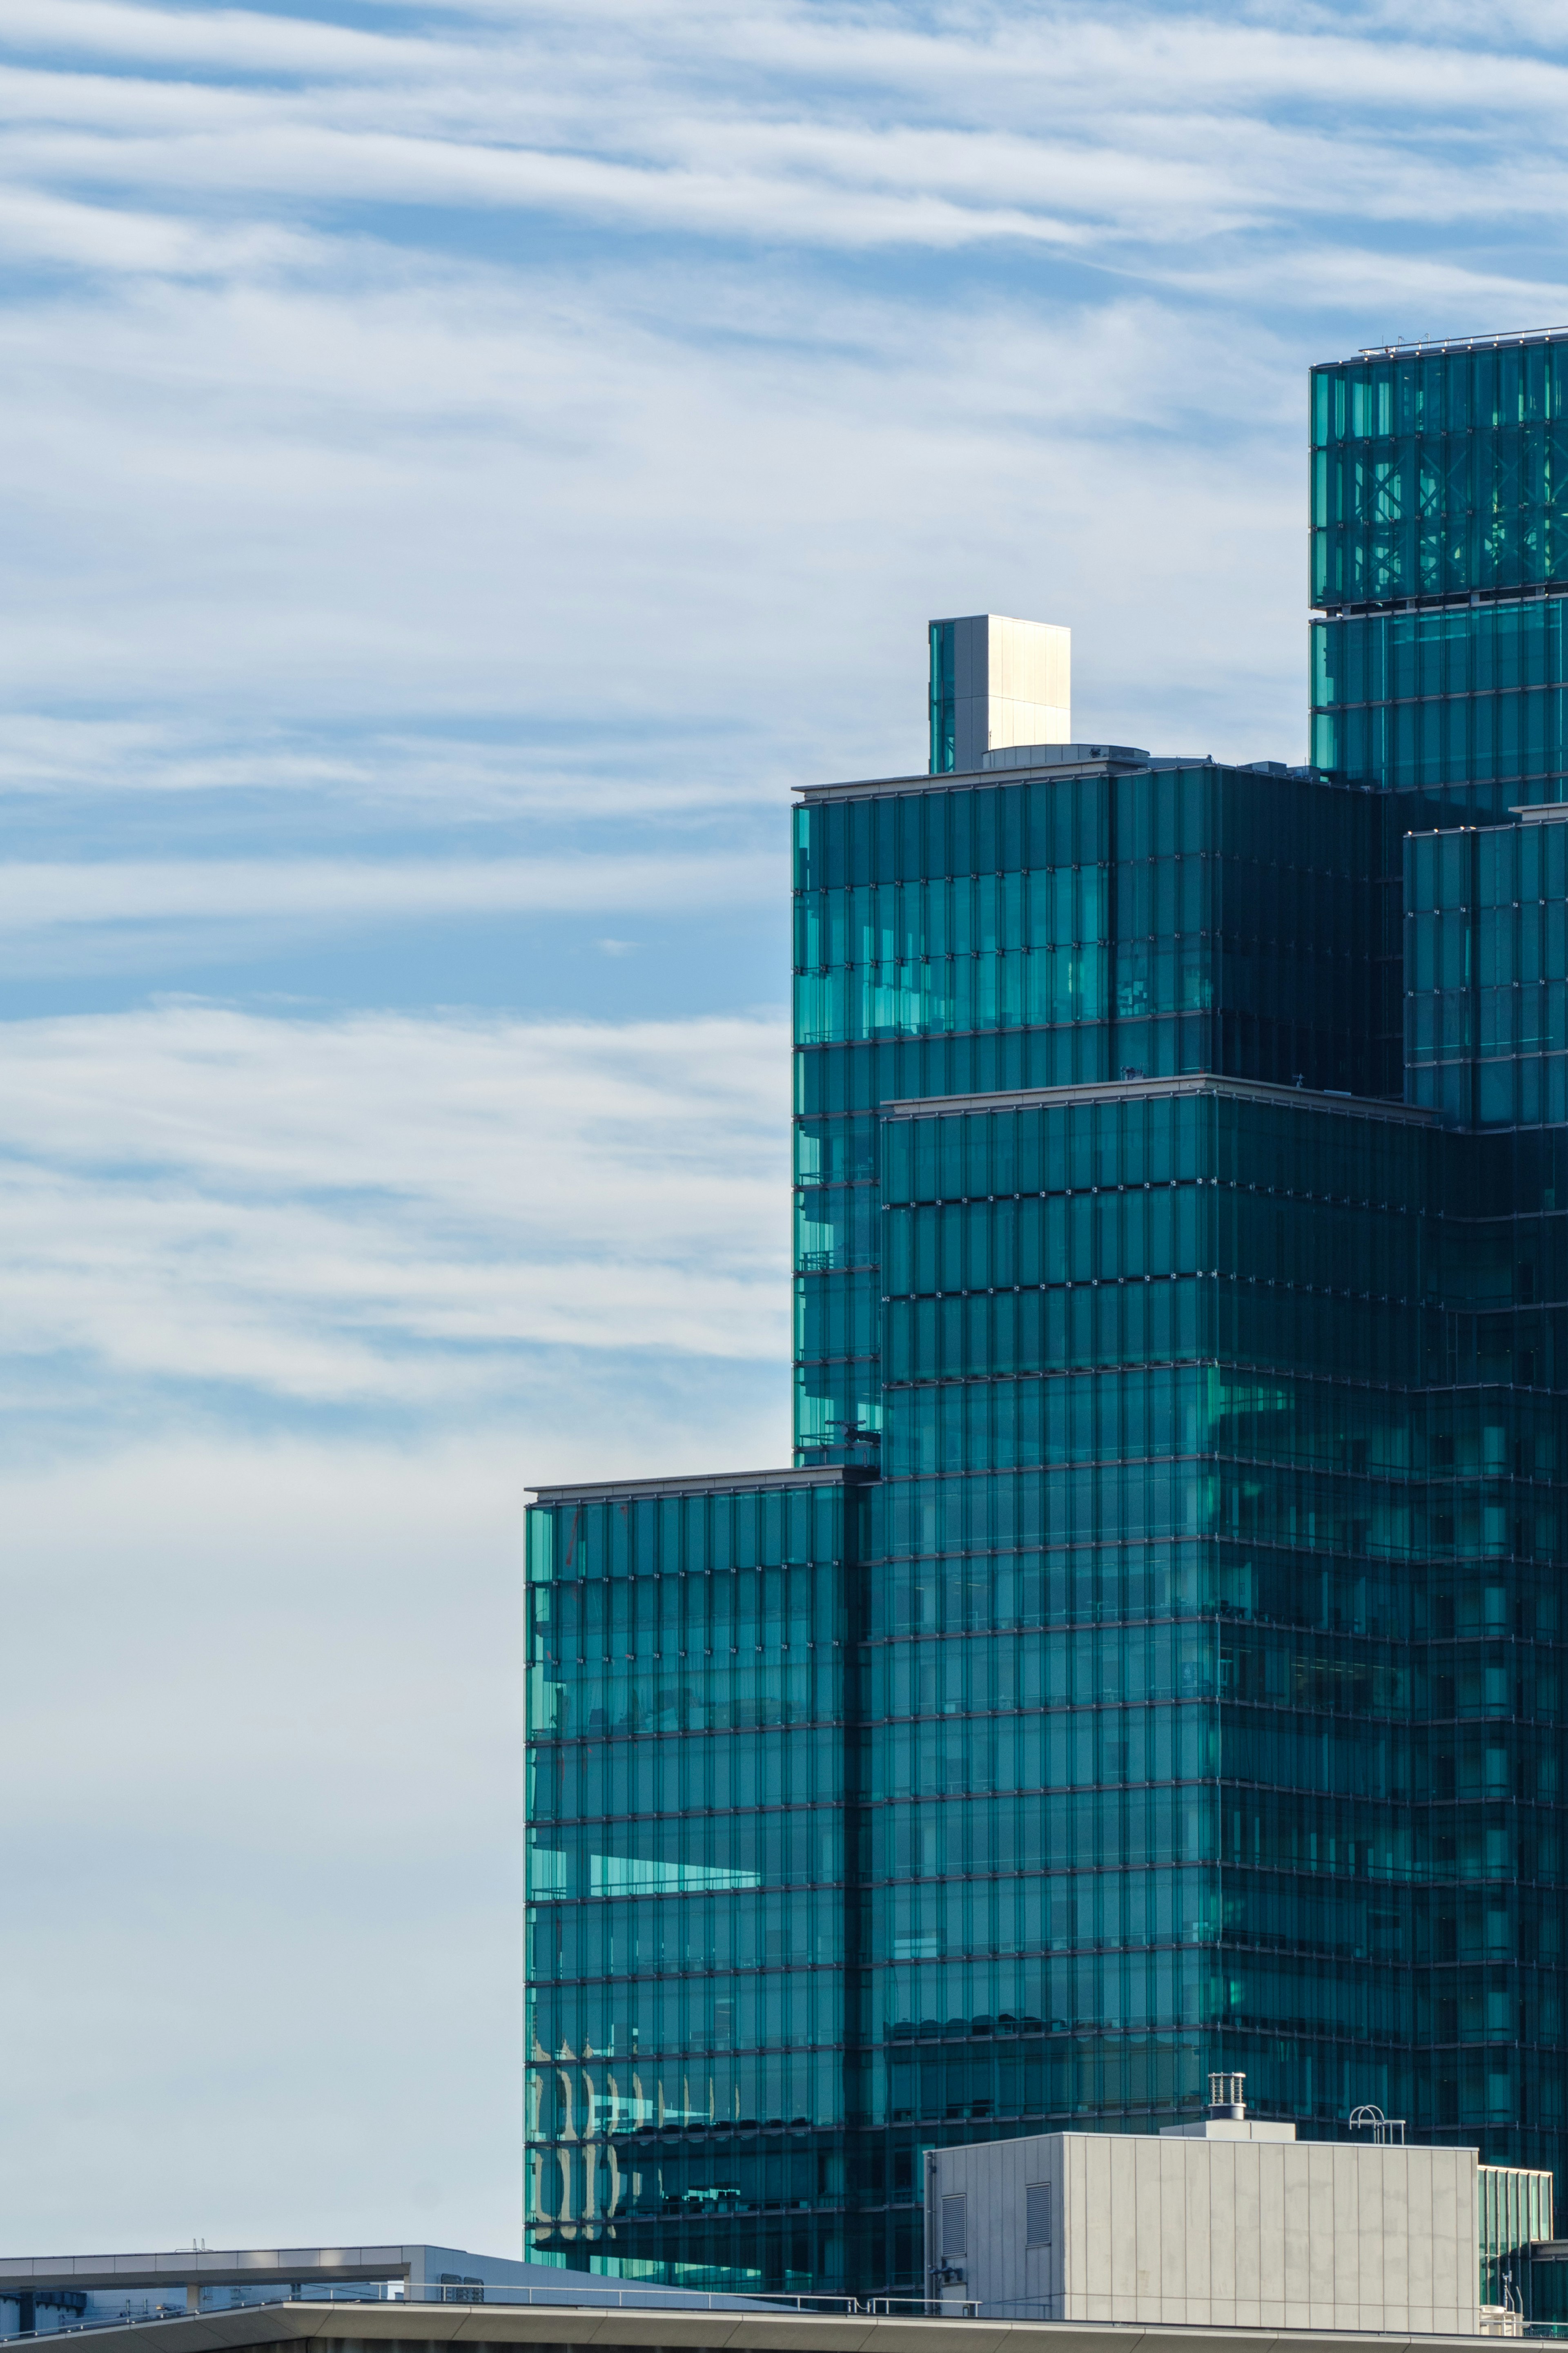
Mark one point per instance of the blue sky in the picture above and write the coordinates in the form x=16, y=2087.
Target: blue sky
x=462, y=465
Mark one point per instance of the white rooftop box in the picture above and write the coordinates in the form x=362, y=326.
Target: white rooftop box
x=1230, y=2223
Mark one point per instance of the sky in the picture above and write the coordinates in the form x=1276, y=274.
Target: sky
x=461, y=466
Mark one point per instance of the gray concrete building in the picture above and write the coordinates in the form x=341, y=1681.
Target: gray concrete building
x=1228, y=2223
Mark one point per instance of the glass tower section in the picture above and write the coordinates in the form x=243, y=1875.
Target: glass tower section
x=1053, y=932
x=1155, y=1662
x=1439, y=553
x=1487, y=971
x=691, y=1939
x=1439, y=571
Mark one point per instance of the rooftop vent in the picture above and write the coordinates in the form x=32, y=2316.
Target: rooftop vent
x=1225, y=2101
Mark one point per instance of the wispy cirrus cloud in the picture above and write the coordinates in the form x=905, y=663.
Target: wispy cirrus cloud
x=82, y=896
x=1111, y=115
x=726, y=448
x=451, y=772
x=382, y=1211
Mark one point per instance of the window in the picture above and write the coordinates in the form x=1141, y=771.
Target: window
x=1037, y=2214
x=955, y=2230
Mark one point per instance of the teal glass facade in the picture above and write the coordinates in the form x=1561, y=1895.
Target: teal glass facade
x=1053, y=933
x=1154, y=1661
x=1440, y=554
x=690, y=1936
x=1487, y=971
x=1440, y=472
x=943, y=698
x=1238, y=1547
x=1464, y=705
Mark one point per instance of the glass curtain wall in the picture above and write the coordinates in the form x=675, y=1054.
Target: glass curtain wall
x=943, y=698
x=1439, y=540
x=1054, y=933
x=1462, y=708
x=946, y=942
x=1155, y=1663
x=691, y=1792
x=1487, y=973
x=1141, y=1722
x=1200, y=1706
x=1441, y=472
x=1047, y=1578
x=1440, y=568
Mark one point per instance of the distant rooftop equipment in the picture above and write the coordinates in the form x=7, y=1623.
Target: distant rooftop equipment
x=1408, y=346
x=1225, y=2101
x=1388, y=2132
x=1230, y=2222
x=1051, y=755
x=996, y=683
x=95, y=2291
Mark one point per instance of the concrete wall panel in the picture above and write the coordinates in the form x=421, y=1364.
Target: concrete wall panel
x=1184, y=2230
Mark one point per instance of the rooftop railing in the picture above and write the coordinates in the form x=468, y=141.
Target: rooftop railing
x=1412, y=346
x=596, y=2292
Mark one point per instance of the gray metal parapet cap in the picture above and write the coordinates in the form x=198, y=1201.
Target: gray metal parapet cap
x=1060, y=756
x=1410, y=346
x=952, y=778
x=707, y=1483
x=1116, y=760
x=419, y=2267
x=212, y=2267
x=747, y=2330
x=1192, y=1082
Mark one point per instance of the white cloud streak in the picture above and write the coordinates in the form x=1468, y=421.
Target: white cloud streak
x=320, y=426
x=380, y=1211
x=1071, y=127
x=43, y=898
x=710, y=535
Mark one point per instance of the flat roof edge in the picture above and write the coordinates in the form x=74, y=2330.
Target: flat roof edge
x=216, y=2267
x=1416, y=347
x=1057, y=771
x=707, y=1483
x=745, y=2323
x=844, y=788
x=1195, y=1082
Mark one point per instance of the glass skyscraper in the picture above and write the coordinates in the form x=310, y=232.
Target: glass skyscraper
x=1152, y=1662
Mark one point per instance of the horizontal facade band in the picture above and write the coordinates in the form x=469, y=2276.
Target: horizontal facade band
x=1436, y=600
x=1196, y=1082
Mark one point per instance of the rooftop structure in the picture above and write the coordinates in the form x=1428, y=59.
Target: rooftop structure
x=997, y=685
x=1228, y=2222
